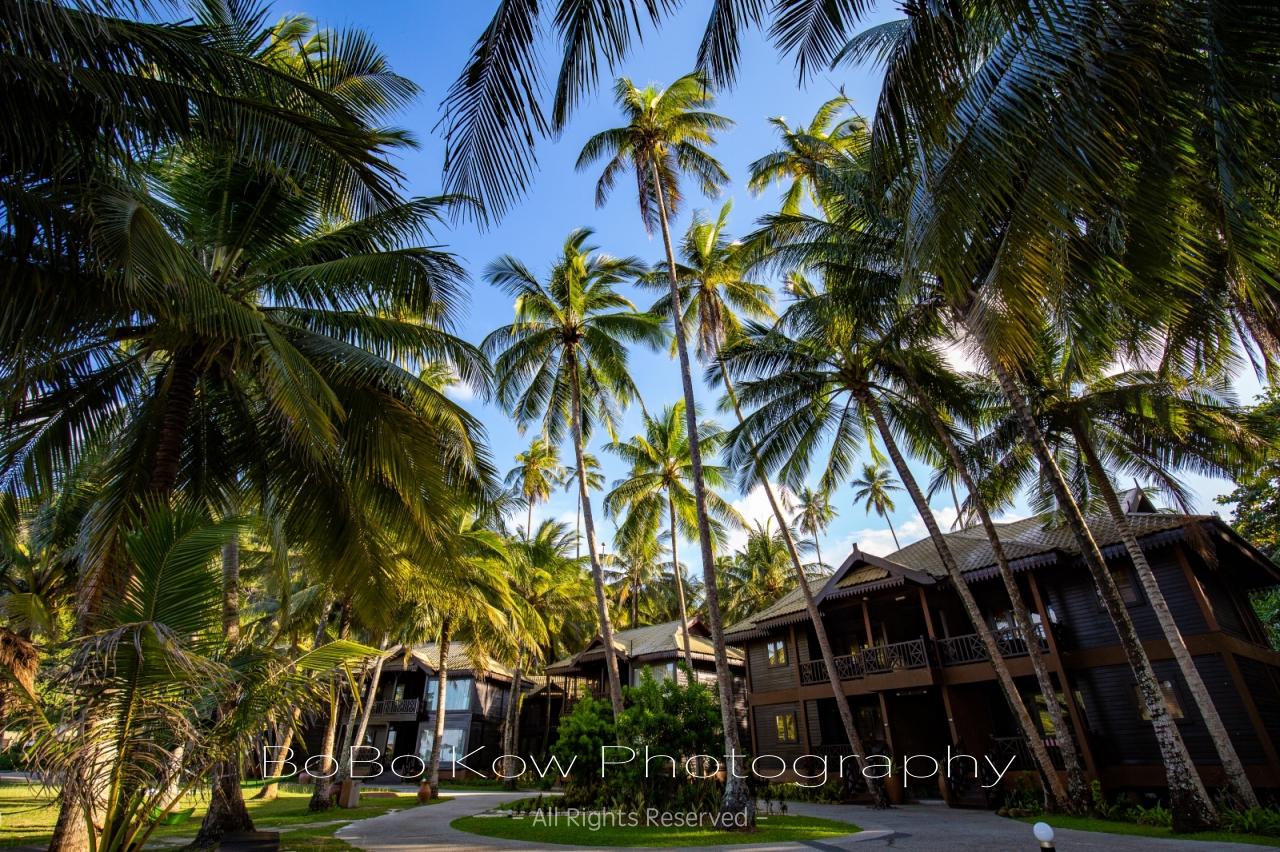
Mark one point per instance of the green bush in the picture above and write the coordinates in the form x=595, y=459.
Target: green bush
x=1025, y=797
x=1157, y=815
x=665, y=717
x=1118, y=811
x=1263, y=821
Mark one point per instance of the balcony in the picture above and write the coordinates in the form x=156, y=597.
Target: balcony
x=962, y=650
x=913, y=654
x=391, y=707
x=1016, y=748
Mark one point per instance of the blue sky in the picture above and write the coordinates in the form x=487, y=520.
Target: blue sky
x=428, y=41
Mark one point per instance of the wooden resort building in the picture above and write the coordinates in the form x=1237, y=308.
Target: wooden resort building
x=918, y=680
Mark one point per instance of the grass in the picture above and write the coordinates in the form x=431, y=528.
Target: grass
x=770, y=829
x=29, y=815
x=1132, y=828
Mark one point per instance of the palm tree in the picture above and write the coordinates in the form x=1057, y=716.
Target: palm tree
x=662, y=472
x=537, y=473
x=715, y=287
x=1150, y=424
x=873, y=490
x=814, y=514
x=818, y=389
x=666, y=134
x=494, y=111
x=806, y=150
x=595, y=482
x=564, y=359
x=759, y=574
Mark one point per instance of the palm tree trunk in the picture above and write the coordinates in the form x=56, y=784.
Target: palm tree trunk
x=511, y=726
x=442, y=682
x=675, y=569
x=356, y=737
x=1238, y=786
x=320, y=800
x=577, y=529
x=736, y=804
x=1079, y=799
x=179, y=399
x=1188, y=799
x=635, y=597
x=272, y=789
x=1054, y=793
x=71, y=831
x=528, y=530
x=891, y=530
x=227, y=809
x=874, y=785
x=816, y=547
x=597, y=573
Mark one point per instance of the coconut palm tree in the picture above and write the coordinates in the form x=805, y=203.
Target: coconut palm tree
x=662, y=472
x=759, y=574
x=1153, y=425
x=874, y=491
x=830, y=136
x=563, y=362
x=814, y=513
x=494, y=111
x=716, y=289
x=666, y=134
x=823, y=388
x=537, y=473
x=595, y=482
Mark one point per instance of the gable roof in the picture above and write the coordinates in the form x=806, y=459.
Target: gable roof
x=1028, y=543
x=427, y=657
x=652, y=642
x=859, y=573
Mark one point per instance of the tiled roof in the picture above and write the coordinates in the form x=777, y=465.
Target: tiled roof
x=1024, y=539
x=1028, y=537
x=428, y=654
x=652, y=640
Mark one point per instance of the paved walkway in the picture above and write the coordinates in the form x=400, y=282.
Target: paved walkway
x=915, y=827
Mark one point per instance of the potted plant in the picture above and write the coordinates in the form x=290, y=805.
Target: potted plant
x=893, y=783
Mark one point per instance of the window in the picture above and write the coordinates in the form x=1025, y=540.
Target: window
x=777, y=652
x=660, y=673
x=457, y=694
x=786, y=723
x=1170, y=698
x=399, y=693
x=1124, y=583
x=452, y=744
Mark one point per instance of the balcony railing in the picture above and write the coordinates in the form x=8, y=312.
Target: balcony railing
x=913, y=654
x=961, y=650
x=1016, y=748
x=391, y=707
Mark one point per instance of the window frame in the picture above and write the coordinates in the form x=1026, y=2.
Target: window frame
x=785, y=727
x=1169, y=690
x=776, y=656
x=1131, y=582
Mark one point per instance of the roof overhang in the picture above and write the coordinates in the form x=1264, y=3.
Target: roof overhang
x=898, y=575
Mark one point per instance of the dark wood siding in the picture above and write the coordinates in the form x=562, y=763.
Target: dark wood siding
x=1071, y=593
x=767, y=735
x=1224, y=609
x=764, y=677
x=1263, y=690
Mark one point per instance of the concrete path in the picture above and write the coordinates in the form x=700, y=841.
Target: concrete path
x=936, y=828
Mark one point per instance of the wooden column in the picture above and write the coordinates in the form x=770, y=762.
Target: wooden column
x=942, y=686
x=803, y=720
x=1233, y=667
x=866, y=618
x=1055, y=658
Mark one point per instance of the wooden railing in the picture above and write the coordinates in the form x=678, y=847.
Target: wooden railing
x=913, y=654
x=391, y=707
x=1017, y=749
x=961, y=650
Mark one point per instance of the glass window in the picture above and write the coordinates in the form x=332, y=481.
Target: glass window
x=1170, y=698
x=660, y=672
x=452, y=745
x=457, y=695
x=399, y=693
x=777, y=652
x=1124, y=583
x=786, y=723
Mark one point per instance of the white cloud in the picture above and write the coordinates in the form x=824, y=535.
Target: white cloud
x=461, y=392
x=755, y=509
x=878, y=541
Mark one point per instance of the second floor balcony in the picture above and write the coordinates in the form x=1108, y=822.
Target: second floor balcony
x=394, y=707
x=913, y=654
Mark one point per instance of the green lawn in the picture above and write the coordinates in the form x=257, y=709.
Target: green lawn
x=1109, y=827
x=771, y=829
x=29, y=815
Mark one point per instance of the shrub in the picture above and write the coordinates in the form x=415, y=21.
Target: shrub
x=1157, y=815
x=1025, y=797
x=1118, y=811
x=1263, y=821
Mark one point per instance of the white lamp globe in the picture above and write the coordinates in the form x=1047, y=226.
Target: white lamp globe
x=1043, y=831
